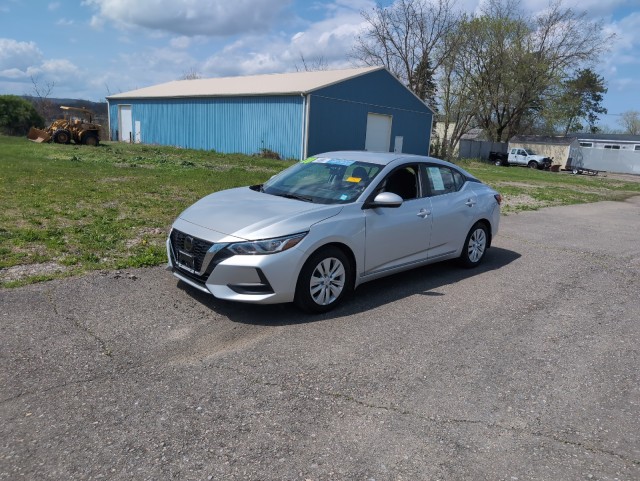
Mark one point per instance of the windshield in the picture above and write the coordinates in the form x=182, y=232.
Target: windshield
x=323, y=180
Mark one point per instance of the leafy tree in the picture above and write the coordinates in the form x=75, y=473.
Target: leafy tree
x=513, y=61
x=577, y=99
x=18, y=115
x=630, y=120
x=424, y=84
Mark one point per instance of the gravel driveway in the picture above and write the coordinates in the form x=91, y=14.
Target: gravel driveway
x=526, y=368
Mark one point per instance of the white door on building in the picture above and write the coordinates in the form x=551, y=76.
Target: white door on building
x=126, y=124
x=378, y=137
x=138, y=134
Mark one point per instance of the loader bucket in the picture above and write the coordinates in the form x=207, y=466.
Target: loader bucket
x=37, y=135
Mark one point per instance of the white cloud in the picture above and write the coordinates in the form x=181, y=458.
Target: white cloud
x=17, y=57
x=180, y=42
x=53, y=6
x=64, y=22
x=594, y=8
x=329, y=40
x=627, y=31
x=192, y=17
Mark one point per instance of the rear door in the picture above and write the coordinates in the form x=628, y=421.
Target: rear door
x=454, y=209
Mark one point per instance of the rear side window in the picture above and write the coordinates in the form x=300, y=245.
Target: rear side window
x=442, y=180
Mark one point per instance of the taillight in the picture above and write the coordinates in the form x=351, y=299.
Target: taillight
x=498, y=198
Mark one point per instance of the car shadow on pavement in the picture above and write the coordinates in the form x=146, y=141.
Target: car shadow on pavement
x=423, y=280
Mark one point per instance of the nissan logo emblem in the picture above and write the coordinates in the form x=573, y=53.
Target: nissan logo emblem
x=188, y=243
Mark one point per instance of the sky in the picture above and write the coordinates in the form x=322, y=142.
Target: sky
x=89, y=49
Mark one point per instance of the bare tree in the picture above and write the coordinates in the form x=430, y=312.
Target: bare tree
x=41, y=92
x=318, y=63
x=191, y=74
x=630, y=121
x=457, y=100
x=404, y=37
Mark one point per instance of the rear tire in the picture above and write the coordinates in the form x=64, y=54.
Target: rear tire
x=62, y=136
x=475, y=246
x=324, y=281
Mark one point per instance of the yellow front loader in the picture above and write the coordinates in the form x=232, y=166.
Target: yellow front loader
x=77, y=125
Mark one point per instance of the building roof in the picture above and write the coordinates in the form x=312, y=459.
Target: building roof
x=607, y=137
x=542, y=139
x=271, y=84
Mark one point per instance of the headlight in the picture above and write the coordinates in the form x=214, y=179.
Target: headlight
x=267, y=246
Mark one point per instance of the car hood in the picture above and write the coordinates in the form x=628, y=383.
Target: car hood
x=252, y=215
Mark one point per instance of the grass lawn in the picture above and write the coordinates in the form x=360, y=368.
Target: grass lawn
x=68, y=209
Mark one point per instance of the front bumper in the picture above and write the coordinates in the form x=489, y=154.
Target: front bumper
x=261, y=279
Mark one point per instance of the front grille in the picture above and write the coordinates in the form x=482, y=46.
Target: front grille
x=198, y=250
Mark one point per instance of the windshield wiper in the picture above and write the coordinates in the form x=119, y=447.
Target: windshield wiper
x=295, y=197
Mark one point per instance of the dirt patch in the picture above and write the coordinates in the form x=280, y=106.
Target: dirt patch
x=142, y=234
x=17, y=273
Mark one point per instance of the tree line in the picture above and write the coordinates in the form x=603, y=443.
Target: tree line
x=501, y=69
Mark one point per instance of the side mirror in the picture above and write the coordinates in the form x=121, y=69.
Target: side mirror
x=384, y=199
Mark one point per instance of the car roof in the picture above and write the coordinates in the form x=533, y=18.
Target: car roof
x=379, y=158
x=386, y=158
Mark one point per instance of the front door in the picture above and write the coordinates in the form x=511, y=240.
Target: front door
x=397, y=237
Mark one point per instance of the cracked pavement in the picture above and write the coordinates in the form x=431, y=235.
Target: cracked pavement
x=526, y=368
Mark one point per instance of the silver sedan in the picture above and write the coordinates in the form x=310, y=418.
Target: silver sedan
x=319, y=229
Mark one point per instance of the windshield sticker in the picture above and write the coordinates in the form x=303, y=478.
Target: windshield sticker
x=354, y=179
x=344, y=197
x=436, y=178
x=308, y=161
x=324, y=160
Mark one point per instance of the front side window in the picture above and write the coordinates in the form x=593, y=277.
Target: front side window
x=322, y=180
x=403, y=182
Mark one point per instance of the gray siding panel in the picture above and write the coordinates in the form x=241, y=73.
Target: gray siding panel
x=340, y=125
x=619, y=161
x=338, y=114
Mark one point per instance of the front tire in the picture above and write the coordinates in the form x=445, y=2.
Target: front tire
x=533, y=165
x=91, y=139
x=475, y=245
x=62, y=136
x=324, y=280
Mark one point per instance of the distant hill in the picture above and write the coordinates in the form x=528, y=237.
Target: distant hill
x=99, y=108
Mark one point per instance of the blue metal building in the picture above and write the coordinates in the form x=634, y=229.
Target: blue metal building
x=295, y=114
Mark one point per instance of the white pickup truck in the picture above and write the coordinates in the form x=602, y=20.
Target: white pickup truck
x=520, y=156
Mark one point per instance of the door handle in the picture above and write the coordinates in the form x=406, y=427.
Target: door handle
x=423, y=213
x=470, y=203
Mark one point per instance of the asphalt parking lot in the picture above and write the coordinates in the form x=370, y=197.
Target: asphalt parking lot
x=524, y=369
